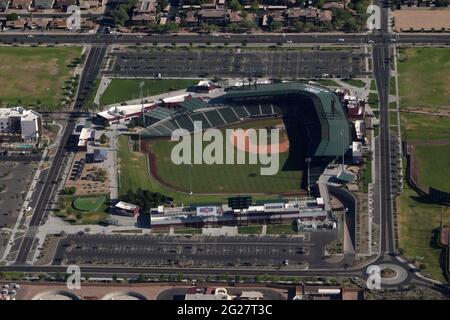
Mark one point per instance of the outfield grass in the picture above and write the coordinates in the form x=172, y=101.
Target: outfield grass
x=35, y=74
x=134, y=175
x=120, y=90
x=355, y=83
x=223, y=178
x=424, y=76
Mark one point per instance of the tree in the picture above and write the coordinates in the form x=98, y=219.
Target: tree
x=254, y=7
x=235, y=5
x=275, y=26
x=12, y=17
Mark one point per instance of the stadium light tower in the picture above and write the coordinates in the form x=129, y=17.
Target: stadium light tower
x=342, y=135
x=190, y=187
x=141, y=86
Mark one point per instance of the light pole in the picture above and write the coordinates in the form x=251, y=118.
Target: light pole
x=190, y=187
x=141, y=86
x=342, y=135
x=308, y=160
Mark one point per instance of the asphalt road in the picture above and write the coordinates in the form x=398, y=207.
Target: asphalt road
x=269, y=38
x=93, y=64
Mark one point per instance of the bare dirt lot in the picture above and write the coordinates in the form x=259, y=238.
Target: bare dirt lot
x=87, y=184
x=419, y=18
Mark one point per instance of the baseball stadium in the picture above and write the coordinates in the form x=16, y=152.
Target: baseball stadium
x=313, y=125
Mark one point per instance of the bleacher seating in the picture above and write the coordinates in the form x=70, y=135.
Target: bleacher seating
x=266, y=109
x=201, y=117
x=241, y=111
x=254, y=110
x=185, y=122
x=229, y=115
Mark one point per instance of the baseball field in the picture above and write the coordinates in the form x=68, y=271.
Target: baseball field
x=231, y=178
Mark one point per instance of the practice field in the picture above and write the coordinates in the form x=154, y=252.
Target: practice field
x=419, y=219
x=434, y=165
x=88, y=204
x=424, y=77
x=29, y=75
x=228, y=178
x=120, y=90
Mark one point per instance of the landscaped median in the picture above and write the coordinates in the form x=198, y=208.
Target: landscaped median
x=91, y=209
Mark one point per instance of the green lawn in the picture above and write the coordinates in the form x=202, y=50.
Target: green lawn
x=424, y=127
x=120, y=90
x=32, y=75
x=285, y=228
x=252, y=229
x=226, y=178
x=434, y=165
x=69, y=213
x=366, y=176
x=88, y=204
x=424, y=76
x=373, y=100
x=393, y=118
x=373, y=85
x=188, y=231
x=418, y=218
x=134, y=175
x=392, y=90
x=419, y=222
x=355, y=82
x=327, y=82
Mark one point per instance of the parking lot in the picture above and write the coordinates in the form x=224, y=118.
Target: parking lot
x=15, y=177
x=197, y=251
x=236, y=63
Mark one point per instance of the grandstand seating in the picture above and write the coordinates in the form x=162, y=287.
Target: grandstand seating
x=241, y=111
x=229, y=115
x=185, y=122
x=254, y=110
x=201, y=117
x=215, y=118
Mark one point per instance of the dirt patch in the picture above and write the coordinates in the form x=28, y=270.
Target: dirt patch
x=418, y=19
x=246, y=144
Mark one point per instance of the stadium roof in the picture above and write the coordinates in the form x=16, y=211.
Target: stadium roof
x=194, y=104
x=335, y=128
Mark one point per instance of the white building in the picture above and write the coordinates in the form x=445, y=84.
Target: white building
x=20, y=125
